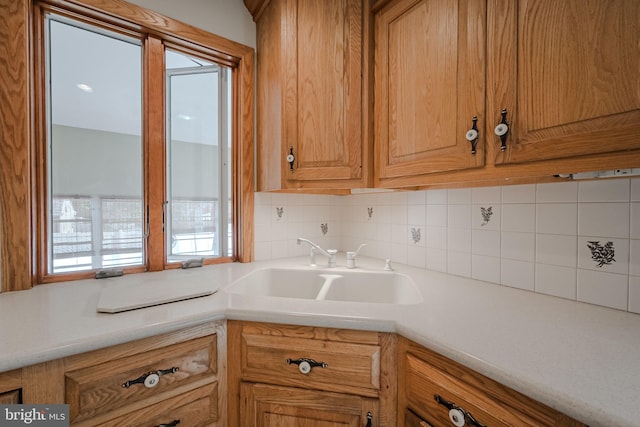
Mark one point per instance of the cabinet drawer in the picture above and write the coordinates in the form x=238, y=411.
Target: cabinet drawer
x=196, y=408
x=10, y=397
x=348, y=367
x=424, y=382
x=103, y=388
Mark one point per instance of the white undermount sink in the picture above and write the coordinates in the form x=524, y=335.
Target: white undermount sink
x=385, y=287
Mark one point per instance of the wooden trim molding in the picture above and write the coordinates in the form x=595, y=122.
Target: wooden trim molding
x=15, y=156
x=22, y=229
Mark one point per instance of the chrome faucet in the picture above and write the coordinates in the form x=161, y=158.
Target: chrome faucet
x=329, y=253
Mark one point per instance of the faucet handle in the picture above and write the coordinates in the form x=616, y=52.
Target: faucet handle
x=332, y=260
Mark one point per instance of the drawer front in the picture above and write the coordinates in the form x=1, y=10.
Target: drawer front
x=111, y=385
x=10, y=397
x=424, y=382
x=412, y=420
x=194, y=409
x=353, y=367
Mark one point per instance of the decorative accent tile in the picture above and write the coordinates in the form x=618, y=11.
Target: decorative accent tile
x=324, y=227
x=279, y=213
x=486, y=214
x=602, y=254
x=416, y=234
x=486, y=217
x=369, y=213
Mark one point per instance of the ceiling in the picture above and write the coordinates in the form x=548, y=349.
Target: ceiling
x=96, y=84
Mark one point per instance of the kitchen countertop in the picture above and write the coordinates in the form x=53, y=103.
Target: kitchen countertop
x=581, y=359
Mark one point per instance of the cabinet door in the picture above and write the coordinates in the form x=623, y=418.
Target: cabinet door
x=323, y=87
x=429, y=85
x=273, y=406
x=568, y=75
x=309, y=95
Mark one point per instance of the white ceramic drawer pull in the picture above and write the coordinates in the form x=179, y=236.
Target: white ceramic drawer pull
x=305, y=365
x=458, y=416
x=150, y=379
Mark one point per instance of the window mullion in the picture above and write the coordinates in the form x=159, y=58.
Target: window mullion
x=155, y=156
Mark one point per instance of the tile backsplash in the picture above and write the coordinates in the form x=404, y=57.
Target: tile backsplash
x=578, y=240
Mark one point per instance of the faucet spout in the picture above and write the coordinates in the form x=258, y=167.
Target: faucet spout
x=329, y=253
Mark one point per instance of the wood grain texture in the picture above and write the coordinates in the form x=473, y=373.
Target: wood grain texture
x=98, y=389
x=429, y=84
x=567, y=75
x=359, y=363
x=424, y=374
x=310, y=94
x=272, y=406
x=256, y=8
x=15, y=157
x=196, y=408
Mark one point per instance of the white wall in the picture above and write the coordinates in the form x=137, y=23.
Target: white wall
x=226, y=18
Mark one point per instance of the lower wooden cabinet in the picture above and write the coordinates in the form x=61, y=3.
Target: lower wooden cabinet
x=274, y=406
x=169, y=379
x=284, y=375
x=435, y=391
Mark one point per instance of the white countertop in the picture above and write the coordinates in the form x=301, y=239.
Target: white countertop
x=581, y=359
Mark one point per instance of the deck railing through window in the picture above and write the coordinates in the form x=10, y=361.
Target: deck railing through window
x=102, y=232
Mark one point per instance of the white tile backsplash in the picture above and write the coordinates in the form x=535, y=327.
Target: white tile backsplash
x=606, y=190
x=536, y=237
x=607, y=289
x=556, y=280
x=603, y=219
x=557, y=218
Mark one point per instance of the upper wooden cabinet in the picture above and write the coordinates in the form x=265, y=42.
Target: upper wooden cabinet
x=564, y=73
x=310, y=95
x=568, y=74
x=429, y=86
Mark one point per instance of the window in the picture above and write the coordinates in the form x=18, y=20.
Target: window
x=146, y=136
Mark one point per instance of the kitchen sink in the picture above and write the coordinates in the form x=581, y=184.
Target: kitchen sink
x=329, y=284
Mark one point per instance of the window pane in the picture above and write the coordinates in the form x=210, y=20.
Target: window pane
x=198, y=176
x=95, y=148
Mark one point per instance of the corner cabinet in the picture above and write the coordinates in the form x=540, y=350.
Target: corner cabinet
x=310, y=109
x=429, y=87
x=295, y=375
x=554, y=86
x=434, y=391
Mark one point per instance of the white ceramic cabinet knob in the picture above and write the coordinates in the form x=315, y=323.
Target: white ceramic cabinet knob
x=501, y=129
x=152, y=380
x=457, y=417
x=304, y=367
x=471, y=135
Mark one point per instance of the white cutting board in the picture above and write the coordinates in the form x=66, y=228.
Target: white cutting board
x=130, y=295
